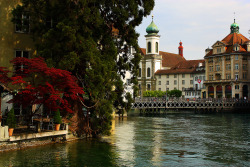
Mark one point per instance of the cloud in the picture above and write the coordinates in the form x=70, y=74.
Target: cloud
x=198, y=23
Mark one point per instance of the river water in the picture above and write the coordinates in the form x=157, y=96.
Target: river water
x=176, y=139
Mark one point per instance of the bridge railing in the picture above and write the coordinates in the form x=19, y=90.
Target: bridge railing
x=175, y=99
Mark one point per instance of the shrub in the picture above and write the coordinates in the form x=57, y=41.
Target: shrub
x=11, y=119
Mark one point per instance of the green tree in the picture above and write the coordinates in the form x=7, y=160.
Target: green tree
x=174, y=93
x=80, y=36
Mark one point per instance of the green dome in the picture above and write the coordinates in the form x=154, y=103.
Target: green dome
x=152, y=28
x=234, y=27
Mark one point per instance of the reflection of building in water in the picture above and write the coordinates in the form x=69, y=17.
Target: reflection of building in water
x=157, y=142
x=124, y=139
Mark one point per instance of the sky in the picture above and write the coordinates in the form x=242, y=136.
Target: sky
x=197, y=23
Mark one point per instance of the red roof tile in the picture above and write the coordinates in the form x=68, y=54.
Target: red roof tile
x=168, y=59
x=184, y=67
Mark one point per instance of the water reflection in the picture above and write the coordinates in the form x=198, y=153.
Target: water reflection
x=173, y=140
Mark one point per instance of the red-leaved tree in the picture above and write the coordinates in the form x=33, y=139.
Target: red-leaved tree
x=36, y=83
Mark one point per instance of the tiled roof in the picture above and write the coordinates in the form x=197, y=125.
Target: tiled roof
x=234, y=38
x=168, y=59
x=184, y=67
x=230, y=40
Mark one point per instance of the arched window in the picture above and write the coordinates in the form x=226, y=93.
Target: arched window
x=156, y=47
x=139, y=72
x=148, y=72
x=149, y=47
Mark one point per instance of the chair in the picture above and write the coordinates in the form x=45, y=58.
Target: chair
x=51, y=124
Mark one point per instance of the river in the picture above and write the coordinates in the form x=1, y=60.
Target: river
x=176, y=139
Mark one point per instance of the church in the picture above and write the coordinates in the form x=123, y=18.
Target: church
x=153, y=59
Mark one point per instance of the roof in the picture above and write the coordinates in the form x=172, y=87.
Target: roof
x=168, y=59
x=230, y=40
x=184, y=67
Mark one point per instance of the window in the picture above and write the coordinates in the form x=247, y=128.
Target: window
x=200, y=77
x=228, y=66
x=148, y=72
x=236, y=76
x=227, y=58
x=20, y=53
x=244, y=75
x=244, y=66
x=183, y=75
x=148, y=86
x=22, y=23
x=191, y=75
x=236, y=67
x=175, y=88
x=159, y=88
x=191, y=82
x=175, y=75
x=159, y=83
x=210, y=68
x=159, y=76
x=211, y=77
x=139, y=72
x=217, y=67
x=210, y=60
x=183, y=88
x=175, y=82
x=228, y=76
x=196, y=78
x=218, y=50
x=204, y=78
x=156, y=47
x=149, y=47
x=237, y=87
x=236, y=57
x=167, y=76
x=167, y=83
x=167, y=89
x=183, y=82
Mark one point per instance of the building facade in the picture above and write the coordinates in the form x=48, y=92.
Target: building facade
x=15, y=41
x=187, y=76
x=228, y=66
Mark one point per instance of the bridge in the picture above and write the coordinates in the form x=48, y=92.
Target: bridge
x=158, y=105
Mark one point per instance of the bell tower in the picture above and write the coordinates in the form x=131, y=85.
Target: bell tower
x=152, y=38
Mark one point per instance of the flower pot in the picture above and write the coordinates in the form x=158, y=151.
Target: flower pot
x=57, y=127
x=11, y=131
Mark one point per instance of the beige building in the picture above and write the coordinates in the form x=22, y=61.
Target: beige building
x=184, y=76
x=15, y=41
x=228, y=66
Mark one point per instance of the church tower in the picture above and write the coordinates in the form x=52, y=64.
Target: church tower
x=152, y=39
x=151, y=61
x=180, y=48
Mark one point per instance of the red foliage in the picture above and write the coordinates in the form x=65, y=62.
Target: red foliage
x=40, y=84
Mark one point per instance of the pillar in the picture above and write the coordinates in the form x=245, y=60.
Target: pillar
x=214, y=91
x=223, y=91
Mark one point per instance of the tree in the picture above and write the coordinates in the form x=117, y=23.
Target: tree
x=37, y=84
x=174, y=93
x=78, y=35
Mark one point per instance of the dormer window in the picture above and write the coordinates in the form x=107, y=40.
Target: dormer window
x=236, y=47
x=218, y=50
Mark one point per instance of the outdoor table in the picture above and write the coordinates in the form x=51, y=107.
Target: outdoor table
x=39, y=122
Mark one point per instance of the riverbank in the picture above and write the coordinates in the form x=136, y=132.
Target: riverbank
x=23, y=144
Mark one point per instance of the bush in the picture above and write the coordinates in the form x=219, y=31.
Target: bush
x=57, y=117
x=11, y=119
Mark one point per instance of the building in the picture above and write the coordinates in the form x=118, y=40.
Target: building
x=15, y=41
x=153, y=60
x=228, y=66
x=187, y=76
